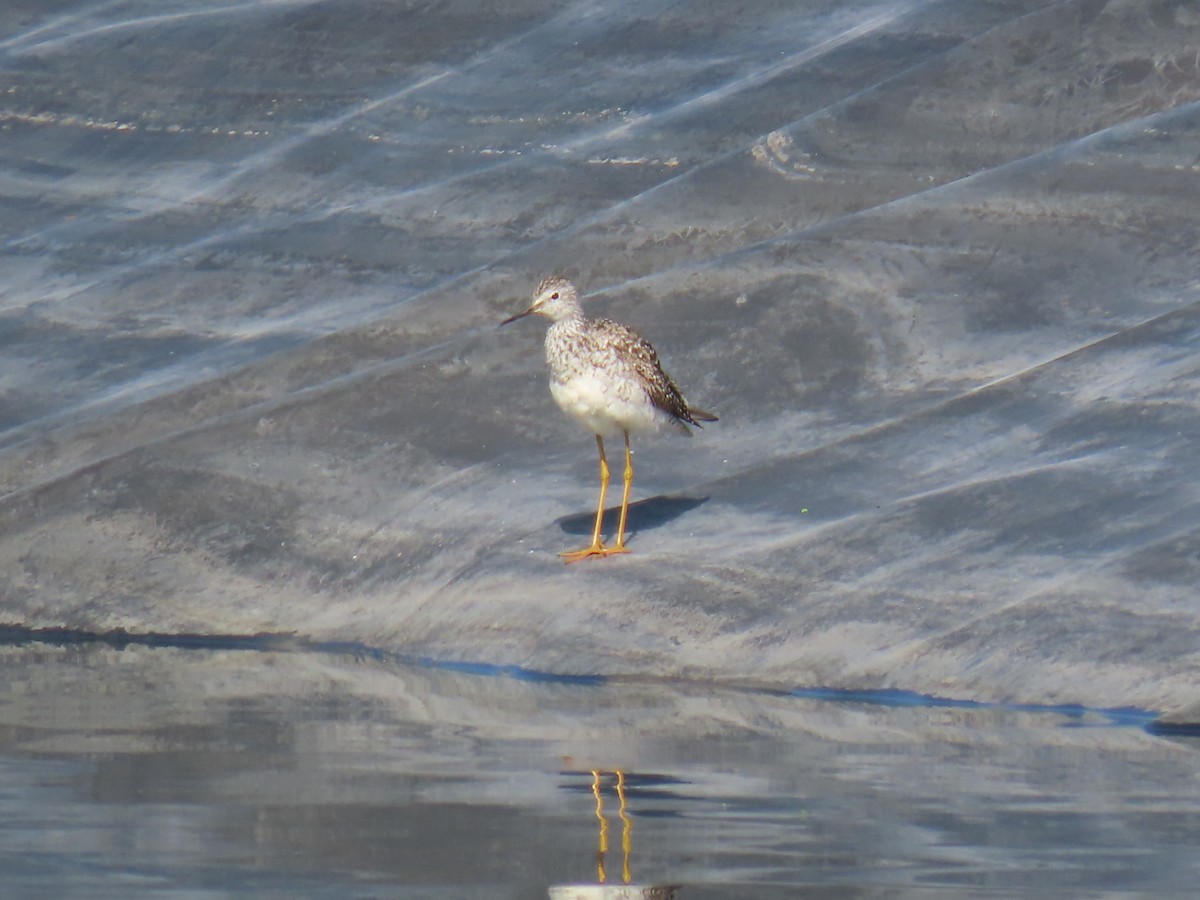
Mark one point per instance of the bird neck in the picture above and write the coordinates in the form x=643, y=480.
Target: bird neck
x=571, y=320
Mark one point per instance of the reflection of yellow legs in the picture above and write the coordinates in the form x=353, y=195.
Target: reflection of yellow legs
x=603, y=849
x=626, y=828
x=597, y=548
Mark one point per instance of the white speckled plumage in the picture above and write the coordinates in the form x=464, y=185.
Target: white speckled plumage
x=598, y=376
x=609, y=379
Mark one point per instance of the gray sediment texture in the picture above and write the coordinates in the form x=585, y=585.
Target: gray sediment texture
x=933, y=264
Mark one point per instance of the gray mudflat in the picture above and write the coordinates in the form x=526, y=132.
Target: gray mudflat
x=933, y=263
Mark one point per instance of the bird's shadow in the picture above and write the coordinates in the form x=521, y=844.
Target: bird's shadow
x=652, y=512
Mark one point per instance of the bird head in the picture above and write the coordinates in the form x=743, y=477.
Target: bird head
x=555, y=298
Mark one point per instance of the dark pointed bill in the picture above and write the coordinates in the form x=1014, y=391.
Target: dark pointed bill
x=517, y=316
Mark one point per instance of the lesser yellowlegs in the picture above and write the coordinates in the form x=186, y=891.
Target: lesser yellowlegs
x=608, y=379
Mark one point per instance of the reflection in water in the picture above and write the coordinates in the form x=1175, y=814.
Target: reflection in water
x=602, y=890
x=174, y=773
x=626, y=828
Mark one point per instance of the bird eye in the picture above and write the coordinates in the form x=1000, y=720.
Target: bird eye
x=554, y=296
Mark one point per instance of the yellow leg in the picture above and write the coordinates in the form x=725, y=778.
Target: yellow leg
x=597, y=548
x=619, y=547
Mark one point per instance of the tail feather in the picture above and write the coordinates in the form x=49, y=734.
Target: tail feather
x=701, y=415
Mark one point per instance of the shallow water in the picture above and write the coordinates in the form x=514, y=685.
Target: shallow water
x=166, y=772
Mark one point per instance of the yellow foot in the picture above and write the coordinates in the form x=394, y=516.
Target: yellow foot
x=597, y=549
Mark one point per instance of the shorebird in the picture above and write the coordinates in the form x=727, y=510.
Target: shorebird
x=607, y=378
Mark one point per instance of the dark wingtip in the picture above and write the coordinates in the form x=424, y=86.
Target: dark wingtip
x=702, y=415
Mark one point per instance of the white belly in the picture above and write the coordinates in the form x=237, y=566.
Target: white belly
x=608, y=407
